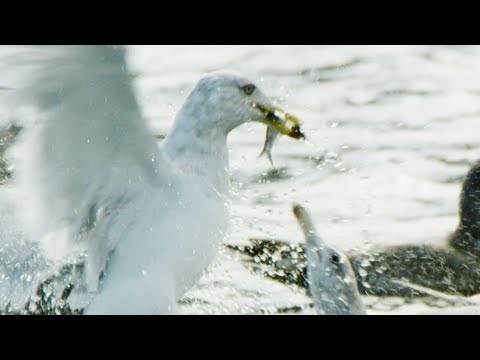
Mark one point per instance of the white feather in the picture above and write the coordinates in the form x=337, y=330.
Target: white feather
x=75, y=156
x=93, y=183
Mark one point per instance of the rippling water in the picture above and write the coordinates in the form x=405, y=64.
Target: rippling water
x=391, y=133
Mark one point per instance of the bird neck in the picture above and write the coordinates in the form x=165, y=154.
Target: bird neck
x=199, y=151
x=467, y=235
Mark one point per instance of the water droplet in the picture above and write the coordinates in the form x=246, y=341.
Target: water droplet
x=365, y=263
x=362, y=272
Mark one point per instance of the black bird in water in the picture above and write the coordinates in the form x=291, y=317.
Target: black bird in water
x=452, y=269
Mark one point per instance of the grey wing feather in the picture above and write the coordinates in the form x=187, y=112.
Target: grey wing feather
x=88, y=145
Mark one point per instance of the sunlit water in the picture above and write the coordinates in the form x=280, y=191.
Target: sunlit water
x=392, y=130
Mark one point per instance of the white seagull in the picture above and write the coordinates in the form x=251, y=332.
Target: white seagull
x=330, y=275
x=92, y=180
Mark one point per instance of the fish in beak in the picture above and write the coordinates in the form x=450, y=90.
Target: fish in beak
x=278, y=122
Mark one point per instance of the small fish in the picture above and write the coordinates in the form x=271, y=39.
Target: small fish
x=272, y=133
x=270, y=138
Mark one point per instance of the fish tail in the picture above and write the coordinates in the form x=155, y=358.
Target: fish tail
x=268, y=154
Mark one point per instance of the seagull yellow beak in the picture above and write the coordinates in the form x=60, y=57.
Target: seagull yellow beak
x=280, y=120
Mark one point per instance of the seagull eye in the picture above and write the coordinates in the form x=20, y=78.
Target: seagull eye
x=249, y=89
x=334, y=258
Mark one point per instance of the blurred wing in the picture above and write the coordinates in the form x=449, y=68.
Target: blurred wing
x=88, y=148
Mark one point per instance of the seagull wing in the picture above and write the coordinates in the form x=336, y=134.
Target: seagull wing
x=88, y=149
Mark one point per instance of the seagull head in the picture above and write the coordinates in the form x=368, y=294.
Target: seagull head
x=330, y=275
x=225, y=101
